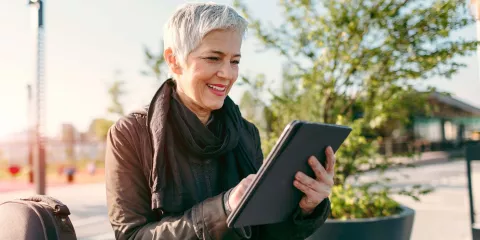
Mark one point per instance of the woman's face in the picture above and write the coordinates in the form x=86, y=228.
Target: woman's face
x=211, y=69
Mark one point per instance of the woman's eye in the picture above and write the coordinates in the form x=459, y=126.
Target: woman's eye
x=213, y=58
x=236, y=62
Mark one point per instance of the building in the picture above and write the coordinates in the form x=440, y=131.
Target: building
x=449, y=125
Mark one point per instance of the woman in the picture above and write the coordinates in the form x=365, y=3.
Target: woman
x=176, y=169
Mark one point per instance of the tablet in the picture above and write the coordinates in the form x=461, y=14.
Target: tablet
x=272, y=197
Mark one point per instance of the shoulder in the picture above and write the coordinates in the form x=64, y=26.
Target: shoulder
x=252, y=136
x=130, y=127
x=250, y=128
x=253, y=142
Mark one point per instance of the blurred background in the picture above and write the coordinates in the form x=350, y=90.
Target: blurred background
x=404, y=72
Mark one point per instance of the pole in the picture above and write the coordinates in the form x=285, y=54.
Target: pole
x=39, y=152
x=30, y=133
x=470, y=191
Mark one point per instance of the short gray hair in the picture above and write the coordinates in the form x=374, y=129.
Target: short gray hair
x=192, y=21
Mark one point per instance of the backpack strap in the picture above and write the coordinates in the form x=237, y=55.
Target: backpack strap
x=58, y=207
x=59, y=212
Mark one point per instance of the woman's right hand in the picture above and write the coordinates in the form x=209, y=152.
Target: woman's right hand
x=239, y=190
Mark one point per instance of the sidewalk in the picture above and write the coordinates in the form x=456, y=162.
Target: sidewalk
x=426, y=158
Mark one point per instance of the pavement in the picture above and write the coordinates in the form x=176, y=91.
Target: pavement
x=87, y=205
x=443, y=214
x=440, y=215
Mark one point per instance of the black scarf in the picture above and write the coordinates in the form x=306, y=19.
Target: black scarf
x=174, y=128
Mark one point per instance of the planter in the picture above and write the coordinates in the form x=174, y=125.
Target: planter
x=398, y=227
x=476, y=232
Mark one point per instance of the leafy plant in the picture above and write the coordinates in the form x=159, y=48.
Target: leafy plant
x=360, y=63
x=99, y=128
x=116, y=91
x=156, y=65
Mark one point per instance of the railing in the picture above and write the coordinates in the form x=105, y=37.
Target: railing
x=56, y=151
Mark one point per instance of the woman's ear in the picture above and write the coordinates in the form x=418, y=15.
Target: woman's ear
x=172, y=62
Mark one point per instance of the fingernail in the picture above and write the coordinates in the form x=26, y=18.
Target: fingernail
x=330, y=150
x=311, y=160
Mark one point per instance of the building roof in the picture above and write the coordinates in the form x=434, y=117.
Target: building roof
x=449, y=100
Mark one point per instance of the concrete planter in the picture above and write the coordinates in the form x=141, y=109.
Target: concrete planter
x=398, y=227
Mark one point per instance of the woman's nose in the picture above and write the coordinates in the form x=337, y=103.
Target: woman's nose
x=226, y=71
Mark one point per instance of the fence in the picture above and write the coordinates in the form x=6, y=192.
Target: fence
x=56, y=151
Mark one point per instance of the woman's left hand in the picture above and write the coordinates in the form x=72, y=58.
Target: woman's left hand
x=316, y=190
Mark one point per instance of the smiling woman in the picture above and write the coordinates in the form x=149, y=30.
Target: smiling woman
x=177, y=169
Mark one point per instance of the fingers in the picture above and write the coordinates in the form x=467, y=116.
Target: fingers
x=246, y=182
x=313, y=197
x=317, y=168
x=240, y=190
x=307, y=181
x=330, y=160
x=305, y=189
x=320, y=172
x=251, y=176
x=316, y=190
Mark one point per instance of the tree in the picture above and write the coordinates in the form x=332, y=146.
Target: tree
x=99, y=128
x=361, y=63
x=155, y=63
x=116, y=91
x=69, y=139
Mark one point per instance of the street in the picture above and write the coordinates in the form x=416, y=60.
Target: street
x=442, y=214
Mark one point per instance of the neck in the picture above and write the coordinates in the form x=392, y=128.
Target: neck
x=202, y=113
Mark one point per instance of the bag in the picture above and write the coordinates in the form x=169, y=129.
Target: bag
x=37, y=217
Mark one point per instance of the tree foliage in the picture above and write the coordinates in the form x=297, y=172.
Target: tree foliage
x=361, y=63
x=99, y=128
x=156, y=65
x=116, y=91
x=69, y=139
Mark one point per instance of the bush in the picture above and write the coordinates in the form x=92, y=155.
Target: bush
x=357, y=63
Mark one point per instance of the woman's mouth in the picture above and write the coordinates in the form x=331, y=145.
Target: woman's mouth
x=217, y=89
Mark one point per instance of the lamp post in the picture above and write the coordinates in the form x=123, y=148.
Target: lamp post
x=39, y=91
x=30, y=133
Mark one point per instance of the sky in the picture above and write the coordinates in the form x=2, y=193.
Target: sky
x=87, y=41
